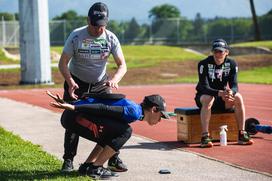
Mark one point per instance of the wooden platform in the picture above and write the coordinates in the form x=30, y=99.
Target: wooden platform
x=189, y=125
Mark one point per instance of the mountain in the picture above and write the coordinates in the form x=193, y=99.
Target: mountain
x=125, y=10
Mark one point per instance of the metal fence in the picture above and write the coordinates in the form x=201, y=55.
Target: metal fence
x=164, y=31
x=9, y=33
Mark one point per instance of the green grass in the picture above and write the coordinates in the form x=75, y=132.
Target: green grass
x=57, y=49
x=189, y=79
x=261, y=75
x=21, y=160
x=14, y=70
x=6, y=60
x=150, y=55
x=266, y=44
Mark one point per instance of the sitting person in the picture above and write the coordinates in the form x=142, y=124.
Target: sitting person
x=218, y=89
x=106, y=122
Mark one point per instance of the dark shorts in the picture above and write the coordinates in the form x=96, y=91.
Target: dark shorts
x=218, y=103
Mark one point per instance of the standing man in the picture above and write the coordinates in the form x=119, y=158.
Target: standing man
x=218, y=89
x=83, y=66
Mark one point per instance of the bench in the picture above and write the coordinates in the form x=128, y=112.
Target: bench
x=189, y=124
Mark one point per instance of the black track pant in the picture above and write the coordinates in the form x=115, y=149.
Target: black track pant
x=102, y=130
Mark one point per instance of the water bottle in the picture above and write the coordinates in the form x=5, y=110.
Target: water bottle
x=223, y=135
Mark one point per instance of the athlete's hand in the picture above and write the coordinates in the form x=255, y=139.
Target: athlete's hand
x=226, y=95
x=55, y=97
x=112, y=84
x=72, y=87
x=229, y=98
x=229, y=95
x=229, y=91
x=62, y=105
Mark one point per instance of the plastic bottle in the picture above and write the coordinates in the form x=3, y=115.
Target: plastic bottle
x=223, y=135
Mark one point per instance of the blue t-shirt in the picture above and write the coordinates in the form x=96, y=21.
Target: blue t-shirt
x=132, y=111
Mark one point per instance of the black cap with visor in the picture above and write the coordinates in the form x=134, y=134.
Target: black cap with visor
x=220, y=44
x=98, y=14
x=157, y=101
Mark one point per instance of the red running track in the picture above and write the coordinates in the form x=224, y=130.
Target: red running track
x=257, y=98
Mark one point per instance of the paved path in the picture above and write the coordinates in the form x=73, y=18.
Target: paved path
x=13, y=66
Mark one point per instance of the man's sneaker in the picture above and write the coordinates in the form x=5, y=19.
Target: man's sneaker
x=206, y=142
x=83, y=168
x=100, y=173
x=67, y=166
x=115, y=164
x=244, y=138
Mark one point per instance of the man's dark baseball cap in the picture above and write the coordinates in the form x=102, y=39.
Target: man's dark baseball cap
x=157, y=101
x=220, y=44
x=98, y=14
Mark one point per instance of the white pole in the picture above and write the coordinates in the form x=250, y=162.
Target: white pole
x=3, y=31
x=178, y=24
x=64, y=30
x=34, y=42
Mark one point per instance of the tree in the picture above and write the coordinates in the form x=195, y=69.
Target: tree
x=219, y=28
x=232, y=30
x=165, y=19
x=69, y=15
x=255, y=21
x=164, y=11
x=69, y=21
x=8, y=16
x=265, y=25
x=198, y=24
x=117, y=28
x=133, y=30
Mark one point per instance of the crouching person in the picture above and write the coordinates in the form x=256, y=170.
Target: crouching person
x=106, y=122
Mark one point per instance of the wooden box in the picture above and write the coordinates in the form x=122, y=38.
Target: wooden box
x=189, y=125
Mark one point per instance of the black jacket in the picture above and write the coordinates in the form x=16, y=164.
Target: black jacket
x=213, y=78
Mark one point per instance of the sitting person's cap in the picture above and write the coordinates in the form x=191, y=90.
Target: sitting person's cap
x=98, y=14
x=220, y=44
x=159, y=102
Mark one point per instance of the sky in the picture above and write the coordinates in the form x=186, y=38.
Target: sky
x=127, y=9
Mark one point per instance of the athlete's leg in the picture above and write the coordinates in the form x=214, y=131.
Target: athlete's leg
x=104, y=156
x=102, y=130
x=94, y=154
x=205, y=112
x=70, y=138
x=239, y=111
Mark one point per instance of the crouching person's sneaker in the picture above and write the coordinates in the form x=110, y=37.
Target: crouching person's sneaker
x=244, y=138
x=83, y=168
x=67, y=166
x=99, y=172
x=206, y=141
x=115, y=164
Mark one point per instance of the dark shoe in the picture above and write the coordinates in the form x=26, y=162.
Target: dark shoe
x=115, y=164
x=206, y=142
x=100, y=173
x=244, y=138
x=83, y=168
x=67, y=166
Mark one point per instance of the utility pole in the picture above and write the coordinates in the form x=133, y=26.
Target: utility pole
x=255, y=21
x=34, y=42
